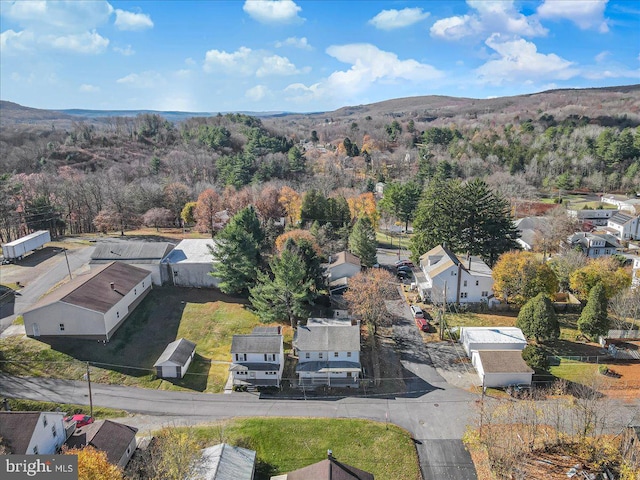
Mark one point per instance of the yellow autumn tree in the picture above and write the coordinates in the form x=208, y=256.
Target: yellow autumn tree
x=520, y=276
x=292, y=203
x=605, y=269
x=364, y=205
x=93, y=464
x=297, y=234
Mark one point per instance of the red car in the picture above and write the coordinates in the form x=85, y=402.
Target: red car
x=405, y=263
x=80, y=419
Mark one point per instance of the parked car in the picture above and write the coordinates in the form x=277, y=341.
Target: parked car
x=80, y=419
x=406, y=262
x=423, y=324
x=416, y=311
x=404, y=268
x=403, y=275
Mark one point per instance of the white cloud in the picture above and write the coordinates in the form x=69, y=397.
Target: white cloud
x=586, y=14
x=12, y=41
x=490, y=16
x=190, y=62
x=276, y=65
x=148, y=79
x=228, y=62
x=87, y=42
x=392, y=19
x=296, y=42
x=602, y=56
x=519, y=61
x=246, y=62
x=273, y=11
x=257, y=93
x=132, y=21
x=87, y=88
x=126, y=51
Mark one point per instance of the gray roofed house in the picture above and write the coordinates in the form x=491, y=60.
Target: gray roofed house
x=226, y=462
x=257, y=359
x=190, y=264
x=30, y=433
x=117, y=440
x=90, y=306
x=625, y=226
x=595, y=245
x=529, y=228
x=146, y=255
x=328, y=351
x=175, y=360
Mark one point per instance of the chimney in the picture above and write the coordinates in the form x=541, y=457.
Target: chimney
x=329, y=455
x=112, y=285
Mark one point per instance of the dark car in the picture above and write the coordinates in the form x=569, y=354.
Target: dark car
x=403, y=275
x=405, y=269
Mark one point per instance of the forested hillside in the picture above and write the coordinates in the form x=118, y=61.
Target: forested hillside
x=65, y=172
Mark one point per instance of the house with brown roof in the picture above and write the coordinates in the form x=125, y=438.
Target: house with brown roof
x=341, y=267
x=32, y=433
x=117, y=440
x=501, y=368
x=90, y=306
x=328, y=469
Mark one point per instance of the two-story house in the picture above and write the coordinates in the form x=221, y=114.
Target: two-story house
x=447, y=278
x=595, y=245
x=33, y=433
x=625, y=226
x=257, y=359
x=328, y=351
x=341, y=267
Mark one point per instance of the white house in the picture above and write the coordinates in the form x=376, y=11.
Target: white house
x=624, y=226
x=492, y=338
x=595, y=245
x=636, y=272
x=594, y=218
x=175, y=360
x=145, y=255
x=190, y=264
x=328, y=351
x=90, y=306
x=226, y=462
x=32, y=433
x=341, y=267
x=464, y=282
x=117, y=440
x=501, y=368
x=630, y=205
x=257, y=359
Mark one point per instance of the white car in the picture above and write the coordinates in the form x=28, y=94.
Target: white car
x=417, y=311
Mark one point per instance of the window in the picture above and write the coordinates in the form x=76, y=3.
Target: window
x=465, y=283
x=485, y=294
x=62, y=327
x=452, y=273
x=241, y=357
x=117, y=314
x=336, y=354
x=35, y=450
x=269, y=357
x=44, y=420
x=143, y=284
x=348, y=354
x=307, y=355
x=596, y=251
x=54, y=431
x=135, y=291
x=463, y=294
x=477, y=283
x=320, y=355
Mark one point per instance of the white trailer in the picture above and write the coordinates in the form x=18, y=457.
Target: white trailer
x=19, y=248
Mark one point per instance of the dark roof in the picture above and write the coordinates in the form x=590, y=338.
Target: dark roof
x=256, y=343
x=325, y=366
x=329, y=469
x=93, y=290
x=503, y=361
x=258, y=367
x=134, y=252
x=16, y=430
x=177, y=352
x=110, y=437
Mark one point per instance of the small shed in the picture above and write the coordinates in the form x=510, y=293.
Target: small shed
x=492, y=338
x=175, y=360
x=501, y=368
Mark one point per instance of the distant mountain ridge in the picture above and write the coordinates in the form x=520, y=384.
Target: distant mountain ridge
x=421, y=106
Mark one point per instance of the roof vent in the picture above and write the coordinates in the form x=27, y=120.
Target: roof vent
x=112, y=285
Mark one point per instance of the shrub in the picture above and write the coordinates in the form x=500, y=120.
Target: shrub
x=536, y=358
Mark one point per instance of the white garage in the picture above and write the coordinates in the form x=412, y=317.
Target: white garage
x=492, y=338
x=191, y=263
x=175, y=360
x=501, y=368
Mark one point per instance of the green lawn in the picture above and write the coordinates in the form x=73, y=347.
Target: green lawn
x=578, y=372
x=20, y=405
x=207, y=317
x=392, y=241
x=286, y=444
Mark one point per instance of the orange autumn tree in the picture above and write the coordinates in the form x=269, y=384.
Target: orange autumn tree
x=292, y=203
x=366, y=295
x=295, y=235
x=364, y=205
x=93, y=464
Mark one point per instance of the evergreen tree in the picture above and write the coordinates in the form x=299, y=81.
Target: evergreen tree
x=593, y=320
x=314, y=207
x=362, y=242
x=287, y=294
x=307, y=251
x=401, y=200
x=537, y=319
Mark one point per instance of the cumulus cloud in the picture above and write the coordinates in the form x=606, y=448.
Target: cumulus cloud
x=132, y=21
x=126, y=51
x=246, y=62
x=392, y=19
x=519, y=61
x=148, y=79
x=273, y=11
x=295, y=42
x=65, y=25
x=87, y=88
x=257, y=93
x=489, y=16
x=586, y=14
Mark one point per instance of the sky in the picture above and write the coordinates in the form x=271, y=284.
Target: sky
x=306, y=56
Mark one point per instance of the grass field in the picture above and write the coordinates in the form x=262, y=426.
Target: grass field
x=286, y=444
x=20, y=405
x=206, y=317
x=392, y=241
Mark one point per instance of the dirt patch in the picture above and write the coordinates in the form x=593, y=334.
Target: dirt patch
x=626, y=383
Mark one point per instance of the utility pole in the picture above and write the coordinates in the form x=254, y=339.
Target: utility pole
x=88, y=374
x=64, y=249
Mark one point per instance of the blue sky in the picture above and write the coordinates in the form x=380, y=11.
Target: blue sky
x=304, y=56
